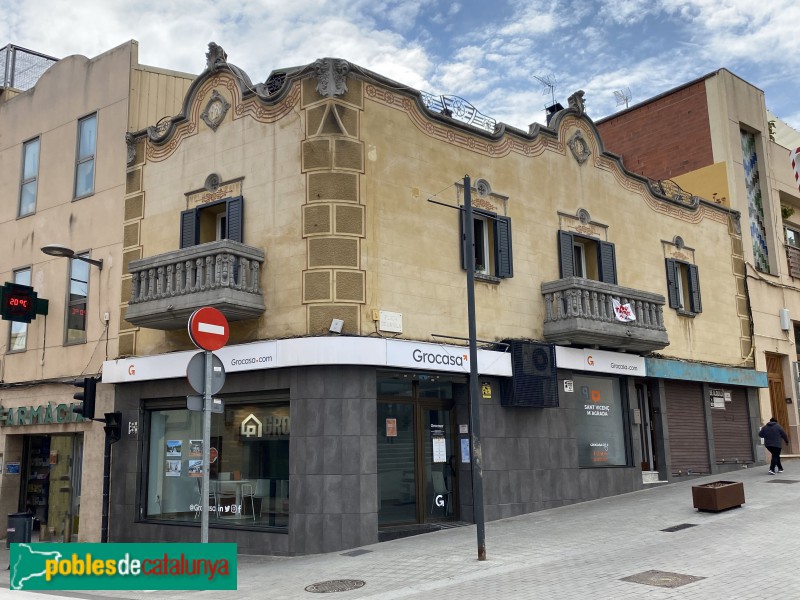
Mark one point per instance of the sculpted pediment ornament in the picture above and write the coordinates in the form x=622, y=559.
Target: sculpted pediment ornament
x=331, y=76
x=215, y=110
x=580, y=148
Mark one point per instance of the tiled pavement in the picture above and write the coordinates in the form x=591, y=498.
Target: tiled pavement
x=581, y=551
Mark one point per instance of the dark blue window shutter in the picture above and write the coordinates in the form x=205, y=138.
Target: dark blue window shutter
x=502, y=246
x=694, y=289
x=566, y=255
x=188, y=228
x=464, y=254
x=607, y=262
x=234, y=217
x=672, y=283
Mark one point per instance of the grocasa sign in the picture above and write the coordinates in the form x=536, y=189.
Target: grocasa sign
x=600, y=361
x=428, y=356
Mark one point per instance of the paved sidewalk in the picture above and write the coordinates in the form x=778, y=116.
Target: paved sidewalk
x=580, y=551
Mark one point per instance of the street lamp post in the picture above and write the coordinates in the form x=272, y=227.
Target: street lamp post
x=474, y=395
x=111, y=428
x=63, y=251
x=476, y=456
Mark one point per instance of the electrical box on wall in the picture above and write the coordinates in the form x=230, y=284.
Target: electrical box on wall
x=786, y=321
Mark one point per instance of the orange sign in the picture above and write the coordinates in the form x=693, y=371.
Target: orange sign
x=391, y=427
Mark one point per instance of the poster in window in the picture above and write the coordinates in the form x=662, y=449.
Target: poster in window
x=600, y=423
x=438, y=443
x=174, y=447
x=173, y=468
x=196, y=448
x=195, y=468
x=391, y=427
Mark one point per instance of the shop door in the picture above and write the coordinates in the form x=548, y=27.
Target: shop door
x=416, y=474
x=777, y=395
x=646, y=428
x=686, y=422
x=64, y=497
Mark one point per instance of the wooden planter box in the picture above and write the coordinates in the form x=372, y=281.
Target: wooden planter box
x=718, y=495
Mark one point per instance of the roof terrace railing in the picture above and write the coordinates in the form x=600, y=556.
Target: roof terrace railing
x=20, y=69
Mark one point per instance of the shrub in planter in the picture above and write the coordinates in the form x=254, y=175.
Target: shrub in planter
x=718, y=495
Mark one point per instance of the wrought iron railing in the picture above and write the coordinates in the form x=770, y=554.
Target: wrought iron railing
x=670, y=189
x=459, y=109
x=20, y=68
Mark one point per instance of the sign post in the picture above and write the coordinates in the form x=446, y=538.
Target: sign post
x=209, y=331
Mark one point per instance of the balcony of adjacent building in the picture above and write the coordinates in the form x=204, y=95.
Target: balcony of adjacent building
x=223, y=274
x=582, y=312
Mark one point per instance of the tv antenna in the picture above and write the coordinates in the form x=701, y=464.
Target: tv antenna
x=549, y=84
x=623, y=96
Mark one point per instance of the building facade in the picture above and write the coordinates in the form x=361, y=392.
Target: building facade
x=63, y=181
x=308, y=210
x=715, y=138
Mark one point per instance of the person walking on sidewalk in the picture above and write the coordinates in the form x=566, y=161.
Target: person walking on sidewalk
x=773, y=434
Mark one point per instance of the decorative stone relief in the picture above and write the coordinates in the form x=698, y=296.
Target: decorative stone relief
x=331, y=76
x=483, y=188
x=212, y=182
x=678, y=241
x=583, y=216
x=579, y=147
x=576, y=101
x=215, y=111
x=130, y=145
x=215, y=57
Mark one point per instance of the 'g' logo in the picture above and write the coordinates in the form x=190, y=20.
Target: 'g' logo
x=131, y=370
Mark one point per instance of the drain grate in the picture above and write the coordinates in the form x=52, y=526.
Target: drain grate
x=335, y=585
x=662, y=579
x=783, y=481
x=679, y=527
x=355, y=552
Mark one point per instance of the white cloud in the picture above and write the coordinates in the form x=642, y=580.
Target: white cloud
x=488, y=54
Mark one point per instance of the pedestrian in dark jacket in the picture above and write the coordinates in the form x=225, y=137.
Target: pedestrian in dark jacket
x=773, y=434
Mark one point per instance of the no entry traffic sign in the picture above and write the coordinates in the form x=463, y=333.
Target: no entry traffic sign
x=208, y=329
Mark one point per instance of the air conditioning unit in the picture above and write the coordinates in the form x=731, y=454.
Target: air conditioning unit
x=535, y=381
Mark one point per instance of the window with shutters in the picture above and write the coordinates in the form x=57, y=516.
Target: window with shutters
x=220, y=220
x=586, y=257
x=793, y=251
x=683, y=287
x=492, y=250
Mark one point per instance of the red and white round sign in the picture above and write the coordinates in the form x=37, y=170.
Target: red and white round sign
x=208, y=329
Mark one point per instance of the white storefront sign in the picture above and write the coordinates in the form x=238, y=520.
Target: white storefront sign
x=296, y=352
x=600, y=361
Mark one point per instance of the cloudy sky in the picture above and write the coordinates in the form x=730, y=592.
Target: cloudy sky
x=493, y=53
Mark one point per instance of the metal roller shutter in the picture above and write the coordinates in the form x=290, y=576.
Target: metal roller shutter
x=732, y=441
x=688, y=446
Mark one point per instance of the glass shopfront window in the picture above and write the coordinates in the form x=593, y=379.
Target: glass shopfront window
x=600, y=422
x=249, y=472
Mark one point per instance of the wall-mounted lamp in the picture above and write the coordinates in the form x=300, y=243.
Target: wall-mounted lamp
x=63, y=251
x=336, y=326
